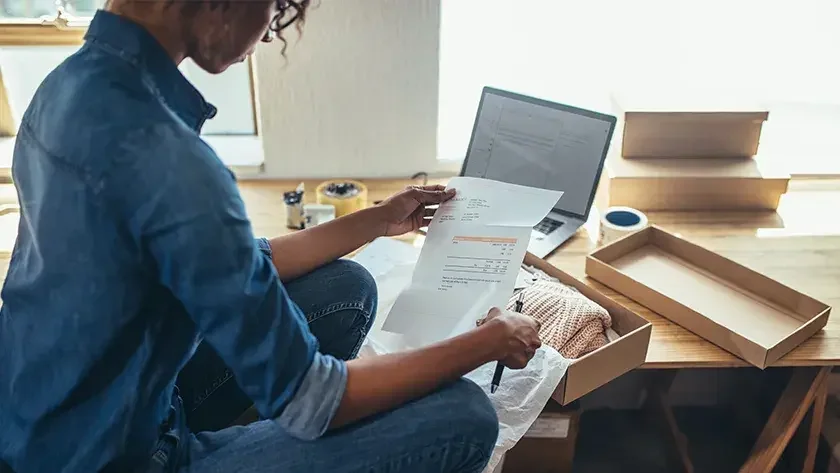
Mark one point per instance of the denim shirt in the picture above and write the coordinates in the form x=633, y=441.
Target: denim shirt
x=133, y=245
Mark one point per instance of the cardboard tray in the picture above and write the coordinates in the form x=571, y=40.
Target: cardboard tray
x=601, y=366
x=691, y=134
x=750, y=315
x=694, y=184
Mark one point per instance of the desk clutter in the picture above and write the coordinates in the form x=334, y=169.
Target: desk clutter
x=345, y=196
x=333, y=199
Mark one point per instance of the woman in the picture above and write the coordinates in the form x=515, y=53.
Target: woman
x=134, y=249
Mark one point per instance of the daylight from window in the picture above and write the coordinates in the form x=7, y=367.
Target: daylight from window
x=782, y=55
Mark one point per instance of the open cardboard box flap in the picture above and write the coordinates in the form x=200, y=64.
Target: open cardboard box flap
x=601, y=366
x=744, y=312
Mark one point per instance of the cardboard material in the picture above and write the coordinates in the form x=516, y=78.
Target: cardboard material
x=750, y=315
x=691, y=134
x=549, y=445
x=657, y=127
x=601, y=366
x=694, y=184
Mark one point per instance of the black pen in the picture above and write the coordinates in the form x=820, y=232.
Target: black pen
x=497, y=375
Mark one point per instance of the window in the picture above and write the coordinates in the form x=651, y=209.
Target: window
x=36, y=35
x=782, y=54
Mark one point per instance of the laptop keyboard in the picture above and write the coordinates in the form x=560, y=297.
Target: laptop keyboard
x=547, y=225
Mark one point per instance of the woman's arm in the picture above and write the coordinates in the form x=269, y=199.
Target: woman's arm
x=379, y=383
x=298, y=253
x=301, y=252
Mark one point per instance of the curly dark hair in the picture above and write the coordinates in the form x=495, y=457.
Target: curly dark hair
x=291, y=12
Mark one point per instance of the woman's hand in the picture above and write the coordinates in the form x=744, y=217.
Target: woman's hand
x=408, y=210
x=376, y=384
x=518, y=337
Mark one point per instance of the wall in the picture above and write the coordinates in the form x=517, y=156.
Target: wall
x=358, y=94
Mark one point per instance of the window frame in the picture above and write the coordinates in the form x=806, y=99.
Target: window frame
x=37, y=32
x=59, y=31
x=34, y=32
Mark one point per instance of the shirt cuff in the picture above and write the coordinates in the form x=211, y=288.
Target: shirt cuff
x=309, y=413
x=264, y=246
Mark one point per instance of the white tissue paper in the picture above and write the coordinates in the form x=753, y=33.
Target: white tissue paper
x=522, y=394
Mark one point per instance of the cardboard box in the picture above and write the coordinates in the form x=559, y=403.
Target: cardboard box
x=601, y=366
x=694, y=184
x=691, y=134
x=750, y=315
x=549, y=445
x=688, y=124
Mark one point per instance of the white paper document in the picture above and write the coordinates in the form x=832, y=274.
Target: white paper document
x=470, y=260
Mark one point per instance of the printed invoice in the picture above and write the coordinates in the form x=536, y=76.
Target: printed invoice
x=470, y=259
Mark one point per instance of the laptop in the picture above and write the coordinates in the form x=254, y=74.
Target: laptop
x=532, y=142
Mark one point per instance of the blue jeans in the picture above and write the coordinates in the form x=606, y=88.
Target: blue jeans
x=452, y=430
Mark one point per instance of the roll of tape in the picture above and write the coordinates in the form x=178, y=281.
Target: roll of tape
x=619, y=221
x=346, y=196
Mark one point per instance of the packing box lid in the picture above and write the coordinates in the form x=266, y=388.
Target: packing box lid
x=691, y=134
x=698, y=168
x=600, y=366
x=689, y=127
x=744, y=312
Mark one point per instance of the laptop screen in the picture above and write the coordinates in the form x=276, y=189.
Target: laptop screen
x=531, y=142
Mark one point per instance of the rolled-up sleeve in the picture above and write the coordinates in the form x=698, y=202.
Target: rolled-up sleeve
x=310, y=412
x=184, y=210
x=264, y=246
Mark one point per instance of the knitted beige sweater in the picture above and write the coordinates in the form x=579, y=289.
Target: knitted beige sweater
x=571, y=323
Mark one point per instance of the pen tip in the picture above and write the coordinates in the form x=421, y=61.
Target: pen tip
x=493, y=388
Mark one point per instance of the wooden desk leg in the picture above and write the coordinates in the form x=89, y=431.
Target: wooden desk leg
x=817, y=416
x=793, y=405
x=659, y=406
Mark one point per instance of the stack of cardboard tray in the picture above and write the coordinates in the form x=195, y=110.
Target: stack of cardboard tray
x=701, y=154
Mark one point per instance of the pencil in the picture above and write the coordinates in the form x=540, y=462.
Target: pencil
x=497, y=375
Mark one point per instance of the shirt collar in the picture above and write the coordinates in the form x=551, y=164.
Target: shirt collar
x=132, y=42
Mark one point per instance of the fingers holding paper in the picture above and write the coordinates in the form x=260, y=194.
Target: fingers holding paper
x=412, y=208
x=519, y=337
